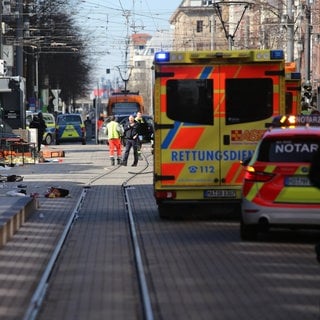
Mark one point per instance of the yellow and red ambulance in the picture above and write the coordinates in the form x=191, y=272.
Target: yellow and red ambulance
x=210, y=110
x=293, y=93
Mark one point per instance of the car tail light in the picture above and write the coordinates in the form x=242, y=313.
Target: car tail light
x=260, y=176
x=165, y=195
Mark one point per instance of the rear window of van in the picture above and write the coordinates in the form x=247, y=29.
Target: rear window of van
x=69, y=119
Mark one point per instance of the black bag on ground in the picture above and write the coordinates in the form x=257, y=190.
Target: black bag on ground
x=314, y=172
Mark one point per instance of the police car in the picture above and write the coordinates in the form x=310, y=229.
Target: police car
x=49, y=135
x=70, y=127
x=276, y=189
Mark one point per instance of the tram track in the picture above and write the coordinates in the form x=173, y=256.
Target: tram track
x=189, y=265
x=40, y=292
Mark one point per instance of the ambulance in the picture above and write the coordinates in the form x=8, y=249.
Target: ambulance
x=210, y=110
x=293, y=92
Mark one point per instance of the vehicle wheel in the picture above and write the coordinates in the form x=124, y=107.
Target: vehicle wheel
x=48, y=139
x=248, y=232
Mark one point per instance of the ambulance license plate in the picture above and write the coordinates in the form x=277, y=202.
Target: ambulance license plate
x=297, y=181
x=220, y=194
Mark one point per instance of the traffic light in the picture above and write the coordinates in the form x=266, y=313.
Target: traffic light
x=307, y=90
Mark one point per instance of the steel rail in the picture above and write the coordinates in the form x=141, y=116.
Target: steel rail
x=37, y=298
x=146, y=301
x=41, y=289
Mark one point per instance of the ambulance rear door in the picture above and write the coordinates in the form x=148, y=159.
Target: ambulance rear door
x=248, y=97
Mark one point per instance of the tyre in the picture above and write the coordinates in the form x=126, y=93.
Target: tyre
x=48, y=139
x=248, y=232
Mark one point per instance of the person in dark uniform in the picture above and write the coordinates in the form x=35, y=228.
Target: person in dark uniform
x=131, y=136
x=142, y=127
x=39, y=123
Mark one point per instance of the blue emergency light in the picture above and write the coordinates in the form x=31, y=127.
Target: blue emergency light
x=295, y=75
x=162, y=56
x=276, y=54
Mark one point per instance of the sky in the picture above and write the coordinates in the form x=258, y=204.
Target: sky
x=108, y=23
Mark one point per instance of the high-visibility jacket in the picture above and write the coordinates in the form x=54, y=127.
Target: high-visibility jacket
x=114, y=130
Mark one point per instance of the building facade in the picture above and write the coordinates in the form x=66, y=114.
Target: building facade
x=293, y=26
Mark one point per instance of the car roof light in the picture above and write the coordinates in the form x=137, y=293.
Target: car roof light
x=283, y=121
x=291, y=120
x=162, y=56
x=276, y=54
x=296, y=120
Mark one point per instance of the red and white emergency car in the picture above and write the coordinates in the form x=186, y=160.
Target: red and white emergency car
x=276, y=189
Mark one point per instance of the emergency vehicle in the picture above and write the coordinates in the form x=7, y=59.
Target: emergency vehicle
x=210, y=110
x=293, y=93
x=125, y=103
x=276, y=189
x=50, y=133
x=70, y=127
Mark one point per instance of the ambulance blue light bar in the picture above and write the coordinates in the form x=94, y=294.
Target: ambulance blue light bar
x=276, y=54
x=162, y=56
x=295, y=75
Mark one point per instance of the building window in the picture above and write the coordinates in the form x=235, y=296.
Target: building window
x=140, y=64
x=199, y=26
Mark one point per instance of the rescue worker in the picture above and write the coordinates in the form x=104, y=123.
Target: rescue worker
x=131, y=137
x=141, y=129
x=39, y=124
x=114, y=132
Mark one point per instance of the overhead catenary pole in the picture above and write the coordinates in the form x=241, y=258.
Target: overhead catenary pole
x=1, y=40
x=19, y=39
x=307, y=41
x=290, y=32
